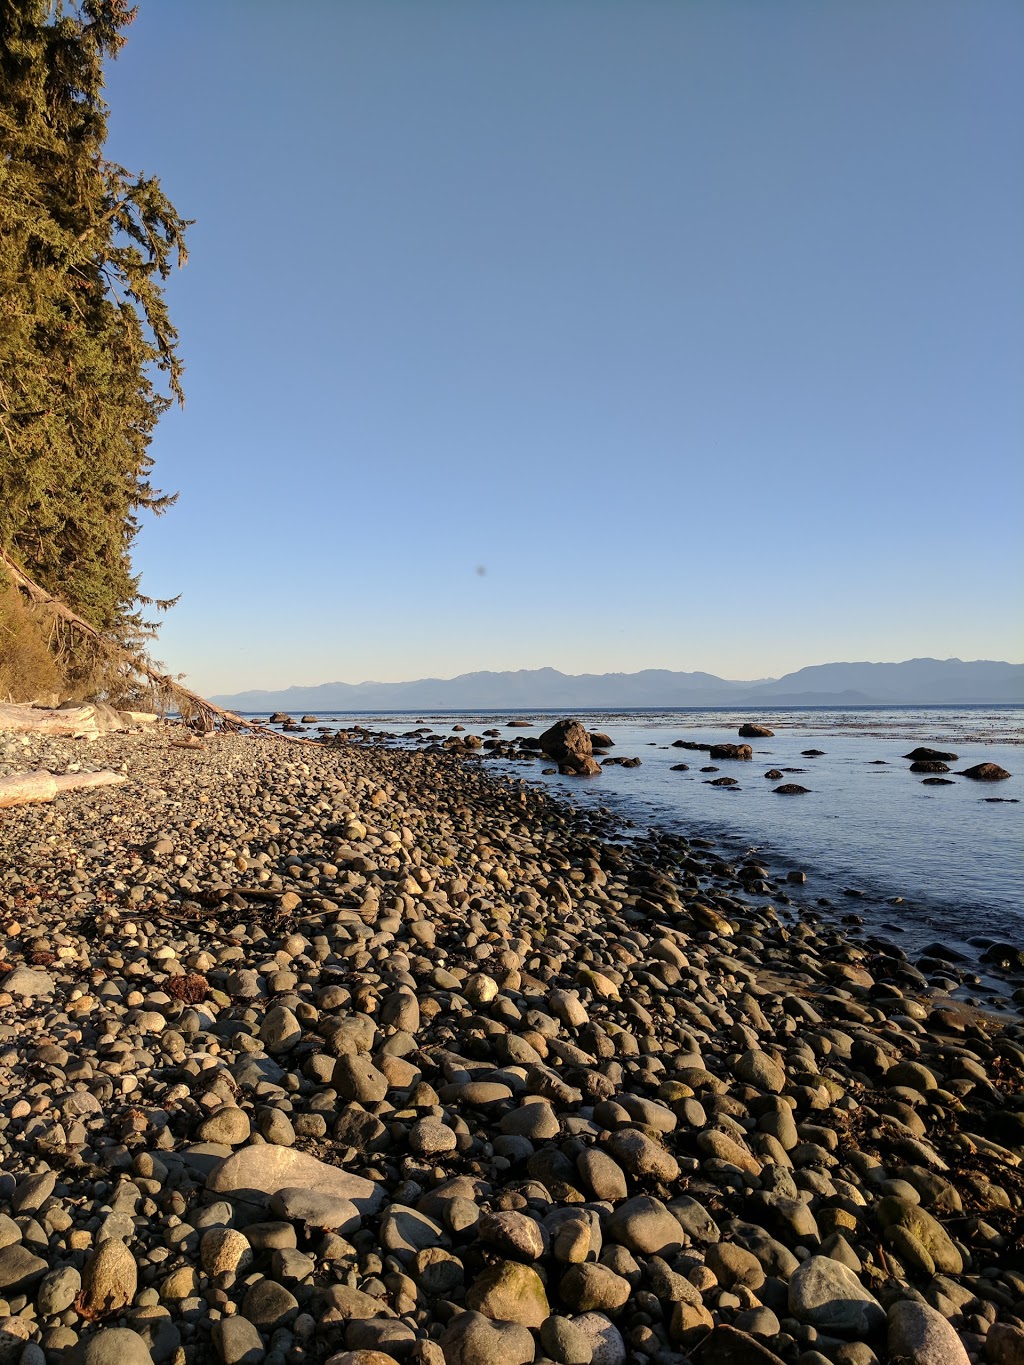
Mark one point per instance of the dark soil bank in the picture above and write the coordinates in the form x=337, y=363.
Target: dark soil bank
x=357, y=1055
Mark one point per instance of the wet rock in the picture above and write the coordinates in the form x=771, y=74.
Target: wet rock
x=568, y=743
x=742, y=752
x=985, y=772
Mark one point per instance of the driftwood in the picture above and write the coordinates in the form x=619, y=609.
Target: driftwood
x=74, y=722
x=168, y=692
x=26, y=789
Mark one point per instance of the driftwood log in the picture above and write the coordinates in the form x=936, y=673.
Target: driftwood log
x=26, y=789
x=75, y=722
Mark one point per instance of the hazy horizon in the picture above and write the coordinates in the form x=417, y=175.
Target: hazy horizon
x=603, y=674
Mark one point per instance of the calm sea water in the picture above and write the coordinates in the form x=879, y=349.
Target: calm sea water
x=955, y=858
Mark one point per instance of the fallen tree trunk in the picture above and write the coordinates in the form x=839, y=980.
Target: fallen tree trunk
x=26, y=789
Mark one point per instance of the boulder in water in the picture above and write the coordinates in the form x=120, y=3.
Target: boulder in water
x=985, y=772
x=569, y=744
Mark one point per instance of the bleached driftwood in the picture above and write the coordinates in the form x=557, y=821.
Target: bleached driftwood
x=25, y=789
x=74, y=722
x=86, y=721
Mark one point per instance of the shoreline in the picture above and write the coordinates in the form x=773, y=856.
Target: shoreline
x=932, y=927
x=477, y=997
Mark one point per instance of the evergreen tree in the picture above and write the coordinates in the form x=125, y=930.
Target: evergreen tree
x=88, y=355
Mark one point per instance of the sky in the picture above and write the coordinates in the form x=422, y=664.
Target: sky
x=597, y=334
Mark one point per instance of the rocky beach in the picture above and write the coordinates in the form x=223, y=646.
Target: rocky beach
x=333, y=1052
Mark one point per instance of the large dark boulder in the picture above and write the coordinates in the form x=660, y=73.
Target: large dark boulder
x=281, y=718
x=751, y=731
x=985, y=772
x=928, y=765
x=742, y=751
x=922, y=754
x=568, y=743
x=601, y=741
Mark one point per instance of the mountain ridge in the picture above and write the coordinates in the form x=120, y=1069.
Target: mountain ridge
x=923, y=682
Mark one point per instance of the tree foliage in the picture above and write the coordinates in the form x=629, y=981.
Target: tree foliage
x=88, y=355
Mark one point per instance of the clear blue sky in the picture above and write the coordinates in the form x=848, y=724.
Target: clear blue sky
x=698, y=326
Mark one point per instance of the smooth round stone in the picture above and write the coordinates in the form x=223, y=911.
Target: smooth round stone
x=472, y=1339
x=328, y=1212
x=919, y=1334
x=237, y=1342
x=912, y=1076
x=892, y=1211
x=586, y=1287
x=280, y=1030
x=256, y=1173
x=276, y=1127
x=645, y=1226
x=513, y=1234
x=535, y=1120
x=405, y=1231
x=431, y=1137
x=509, y=1292
x=606, y=1344
x=758, y=1322
x=565, y=1342
x=356, y=1078
x=828, y=1295
x=57, y=1291
x=482, y=1094
x=19, y=1268
x=376, y=1335
x=762, y=1071
x=269, y=1305
x=361, y=1357
x=605, y=1177
x=437, y=1272
x=642, y=1156
x=114, y=1346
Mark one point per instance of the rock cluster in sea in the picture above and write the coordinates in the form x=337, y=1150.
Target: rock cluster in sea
x=360, y=1056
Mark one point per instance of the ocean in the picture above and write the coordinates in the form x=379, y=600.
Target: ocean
x=921, y=863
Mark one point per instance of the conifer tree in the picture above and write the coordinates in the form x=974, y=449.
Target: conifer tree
x=88, y=355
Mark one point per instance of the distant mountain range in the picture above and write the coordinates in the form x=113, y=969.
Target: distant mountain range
x=935, y=682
